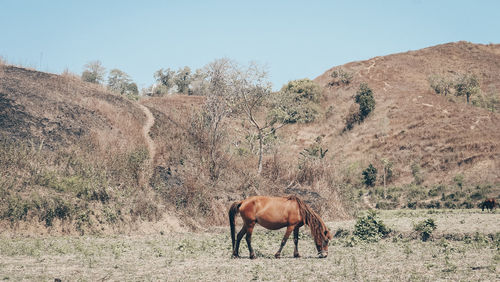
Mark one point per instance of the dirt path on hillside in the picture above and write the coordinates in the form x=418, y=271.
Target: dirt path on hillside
x=365, y=72
x=150, y=121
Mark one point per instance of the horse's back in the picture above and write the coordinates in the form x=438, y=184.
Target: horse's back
x=270, y=212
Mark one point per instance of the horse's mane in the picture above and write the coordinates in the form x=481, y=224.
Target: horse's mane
x=311, y=219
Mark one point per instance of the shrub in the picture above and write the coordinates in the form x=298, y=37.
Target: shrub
x=425, y=228
x=417, y=173
x=340, y=76
x=467, y=85
x=364, y=97
x=341, y=233
x=303, y=89
x=297, y=101
x=370, y=175
x=459, y=180
x=440, y=85
x=14, y=209
x=352, y=117
x=411, y=205
x=386, y=205
x=369, y=228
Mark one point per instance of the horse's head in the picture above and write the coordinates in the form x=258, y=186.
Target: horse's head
x=322, y=243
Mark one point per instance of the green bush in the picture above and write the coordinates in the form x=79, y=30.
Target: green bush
x=364, y=97
x=369, y=228
x=425, y=228
x=14, y=208
x=297, y=102
x=370, y=175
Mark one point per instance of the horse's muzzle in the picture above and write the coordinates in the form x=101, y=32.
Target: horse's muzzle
x=323, y=254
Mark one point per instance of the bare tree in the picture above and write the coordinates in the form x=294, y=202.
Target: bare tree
x=256, y=101
x=209, y=128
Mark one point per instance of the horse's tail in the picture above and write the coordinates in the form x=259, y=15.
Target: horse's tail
x=233, y=210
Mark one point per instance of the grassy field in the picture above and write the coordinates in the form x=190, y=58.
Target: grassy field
x=465, y=246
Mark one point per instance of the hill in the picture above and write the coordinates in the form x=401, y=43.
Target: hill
x=74, y=157
x=413, y=125
x=77, y=158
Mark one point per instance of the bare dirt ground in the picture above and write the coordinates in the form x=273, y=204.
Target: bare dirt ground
x=206, y=256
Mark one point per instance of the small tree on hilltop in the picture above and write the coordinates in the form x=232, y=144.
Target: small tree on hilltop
x=93, y=72
x=165, y=81
x=183, y=80
x=467, y=85
x=120, y=82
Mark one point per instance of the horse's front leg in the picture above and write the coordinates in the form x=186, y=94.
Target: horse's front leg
x=289, y=230
x=296, y=241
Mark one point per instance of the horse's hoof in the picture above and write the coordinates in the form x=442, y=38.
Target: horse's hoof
x=235, y=256
x=296, y=255
x=252, y=256
x=277, y=256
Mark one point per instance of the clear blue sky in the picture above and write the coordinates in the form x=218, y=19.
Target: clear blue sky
x=294, y=39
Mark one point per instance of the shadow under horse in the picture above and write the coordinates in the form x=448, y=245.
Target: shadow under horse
x=275, y=213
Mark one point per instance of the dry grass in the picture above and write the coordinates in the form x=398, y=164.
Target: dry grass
x=206, y=256
x=72, y=156
x=413, y=124
x=93, y=140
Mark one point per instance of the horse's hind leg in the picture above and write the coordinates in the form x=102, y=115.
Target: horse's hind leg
x=249, y=240
x=236, y=248
x=283, y=242
x=296, y=241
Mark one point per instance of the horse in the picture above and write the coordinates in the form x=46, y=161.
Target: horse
x=489, y=204
x=275, y=213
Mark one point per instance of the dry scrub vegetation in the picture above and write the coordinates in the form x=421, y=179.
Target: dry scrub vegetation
x=465, y=246
x=74, y=158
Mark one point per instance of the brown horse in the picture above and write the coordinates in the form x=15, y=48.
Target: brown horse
x=275, y=213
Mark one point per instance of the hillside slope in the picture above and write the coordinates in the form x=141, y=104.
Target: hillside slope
x=62, y=110
x=73, y=157
x=411, y=124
